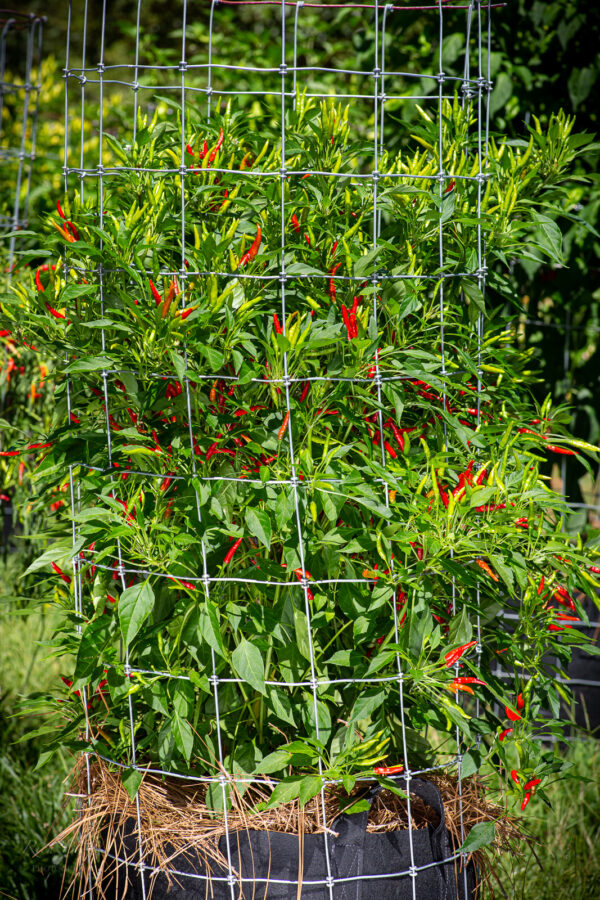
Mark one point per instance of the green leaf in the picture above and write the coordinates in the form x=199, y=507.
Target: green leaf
x=286, y=790
x=89, y=364
x=301, y=626
x=179, y=364
x=131, y=779
x=93, y=642
x=208, y=626
x=183, y=736
x=214, y=358
x=309, y=787
x=473, y=293
x=471, y=763
x=274, y=762
x=134, y=607
x=248, y=663
x=367, y=703
x=259, y=525
x=358, y=807
x=480, y=835
x=548, y=235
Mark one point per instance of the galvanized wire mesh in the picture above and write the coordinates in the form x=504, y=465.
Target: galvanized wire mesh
x=21, y=46
x=205, y=80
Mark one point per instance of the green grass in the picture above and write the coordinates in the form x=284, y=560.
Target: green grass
x=31, y=802
x=568, y=838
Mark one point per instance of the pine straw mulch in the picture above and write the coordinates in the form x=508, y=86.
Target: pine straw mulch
x=175, y=821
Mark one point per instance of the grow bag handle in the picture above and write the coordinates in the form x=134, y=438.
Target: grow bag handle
x=347, y=851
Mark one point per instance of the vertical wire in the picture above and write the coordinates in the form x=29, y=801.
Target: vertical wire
x=214, y=679
x=294, y=478
x=104, y=375
x=298, y=7
x=209, y=87
x=82, y=112
x=78, y=600
x=378, y=116
x=135, y=86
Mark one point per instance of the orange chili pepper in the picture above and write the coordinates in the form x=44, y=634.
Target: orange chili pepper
x=487, y=568
x=281, y=431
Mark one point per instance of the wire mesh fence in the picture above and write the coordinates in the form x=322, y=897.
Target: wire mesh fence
x=207, y=412
x=21, y=44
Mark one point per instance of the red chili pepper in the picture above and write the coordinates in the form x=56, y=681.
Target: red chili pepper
x=397, y=434
x=514, y=776
x=388, y=770
x=334, y=248
x=481, y=475
x=155, y=293
x=353, y=324
x=346, y=319
x=331, y=289
x=305, y=391
x=541, y=585
x=54, y=312
x=520, y=701
x=469, y=679
x=464, y=478
x=454, y=655
x=230, y=553
x=526, y=800
x=532, y=783
x=562, y=596
x=595, y=569
x=281, y=431
x=59, y=208
x=512, y=715
x=450, y=187
x=522, y=522
x=390, y=449
x=306, y=574
x=295, y=222
x=504, y=733
x=563, y=450
x=217, y=147
x=38, y=282
x=60, y=572
x=418, y=549
x=253, y=249
x=277, y=324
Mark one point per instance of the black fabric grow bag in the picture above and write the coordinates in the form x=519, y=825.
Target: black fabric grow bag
x=364, y=865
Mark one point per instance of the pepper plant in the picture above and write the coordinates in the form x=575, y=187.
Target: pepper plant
x=300, y=455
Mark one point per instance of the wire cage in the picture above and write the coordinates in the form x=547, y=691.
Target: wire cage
x=20, y=48
x=167, y=121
